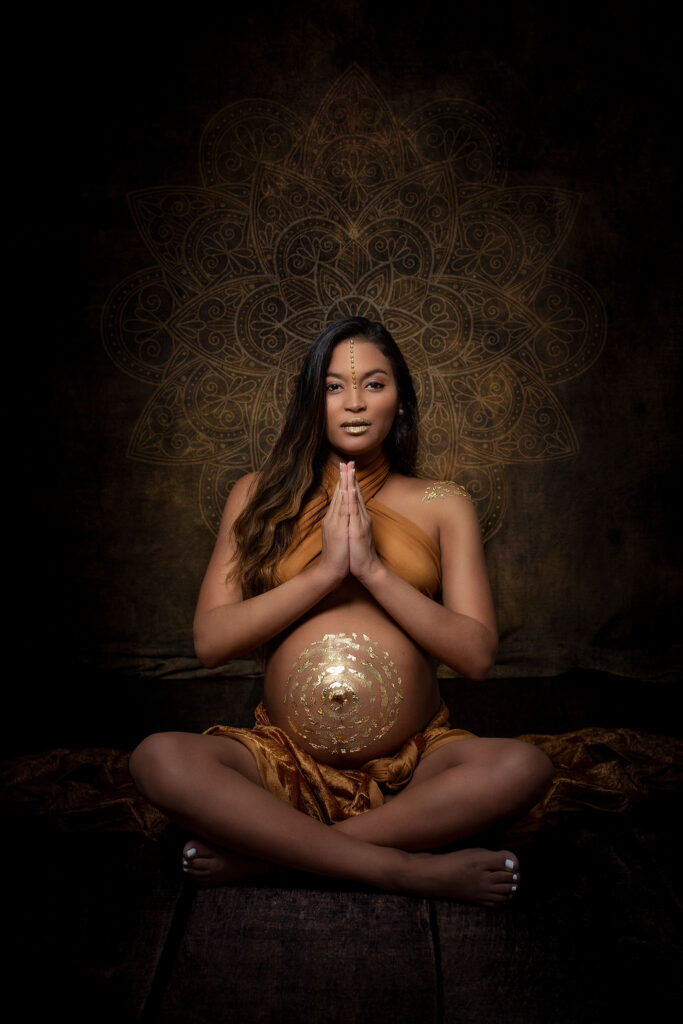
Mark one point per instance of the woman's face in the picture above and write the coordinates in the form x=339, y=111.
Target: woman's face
x=362, y=399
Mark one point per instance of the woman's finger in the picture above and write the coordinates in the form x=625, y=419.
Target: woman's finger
x=334, y=500
x=360, y=508
x=337, y=509
x=351, y=487
x=344, y=485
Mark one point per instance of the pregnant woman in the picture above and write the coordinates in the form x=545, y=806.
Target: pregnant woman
x=353, y=579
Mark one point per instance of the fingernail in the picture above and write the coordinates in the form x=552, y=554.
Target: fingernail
x=193, y=853
x=509, y=864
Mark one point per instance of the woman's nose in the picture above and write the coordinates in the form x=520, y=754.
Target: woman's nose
x=355, y=401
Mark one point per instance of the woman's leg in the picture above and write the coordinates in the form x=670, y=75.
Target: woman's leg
x=459, y=791
x=204, y=784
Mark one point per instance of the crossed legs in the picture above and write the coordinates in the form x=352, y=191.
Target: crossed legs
x=210, y=785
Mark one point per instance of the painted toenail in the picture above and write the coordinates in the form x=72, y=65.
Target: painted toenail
x=514, y=888
x=186, y=863
x=509, y=864
x=514, y=878
x=185, y=870
x=191, y=853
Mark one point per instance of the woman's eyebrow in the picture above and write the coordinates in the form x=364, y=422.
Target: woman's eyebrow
x=369, y=373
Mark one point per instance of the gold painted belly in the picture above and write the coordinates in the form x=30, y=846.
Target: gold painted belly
x=343, y=693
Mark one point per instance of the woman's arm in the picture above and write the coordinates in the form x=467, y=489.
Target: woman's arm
x=462, y=631
x=225, y=625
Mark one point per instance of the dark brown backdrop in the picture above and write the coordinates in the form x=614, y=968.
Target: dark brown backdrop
x=585, y=563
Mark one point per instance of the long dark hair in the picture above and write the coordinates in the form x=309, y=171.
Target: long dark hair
x=293, y=471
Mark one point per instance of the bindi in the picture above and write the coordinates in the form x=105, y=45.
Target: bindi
x=352, y=357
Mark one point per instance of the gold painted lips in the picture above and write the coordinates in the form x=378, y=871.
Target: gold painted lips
x=355, y=426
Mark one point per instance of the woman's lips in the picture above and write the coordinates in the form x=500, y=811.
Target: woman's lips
x=355, y=428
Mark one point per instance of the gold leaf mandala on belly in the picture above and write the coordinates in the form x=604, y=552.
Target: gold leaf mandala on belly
x=342, y=693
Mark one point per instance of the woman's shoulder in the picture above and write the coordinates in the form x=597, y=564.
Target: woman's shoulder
x=425, y=492
x=244, y=485
x=441, y=489
x=431, y=504
x=240, y=493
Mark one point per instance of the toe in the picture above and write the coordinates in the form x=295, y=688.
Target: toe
x=506, y=888
x=194, y=858
x=200, y=865
x=494, y=900
x=501, y=878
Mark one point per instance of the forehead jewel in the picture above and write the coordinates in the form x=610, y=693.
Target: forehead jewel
x=352, y=356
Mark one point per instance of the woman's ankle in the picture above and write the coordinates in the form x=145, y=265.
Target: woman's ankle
x=399, y=873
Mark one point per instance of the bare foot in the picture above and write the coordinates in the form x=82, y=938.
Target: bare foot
x=474, y=876
x=209, y=865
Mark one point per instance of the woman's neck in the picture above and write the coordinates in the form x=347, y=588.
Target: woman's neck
x=362, y=460
x=370, y=475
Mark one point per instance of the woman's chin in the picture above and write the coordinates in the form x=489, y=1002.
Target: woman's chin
x=356, y=448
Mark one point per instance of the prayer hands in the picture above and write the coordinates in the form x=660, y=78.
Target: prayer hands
x=363, y=557
x=335, y=531
x=347, y=544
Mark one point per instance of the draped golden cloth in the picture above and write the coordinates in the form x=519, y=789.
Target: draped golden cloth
x=322, y=791
x=401, y=545
x=601, y=770
x=606, y=770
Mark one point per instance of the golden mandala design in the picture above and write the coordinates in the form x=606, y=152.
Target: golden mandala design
x=296, y=225
x=343, y=692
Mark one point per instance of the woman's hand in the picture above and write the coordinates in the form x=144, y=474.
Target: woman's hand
x=363, y=558
x=334, y=557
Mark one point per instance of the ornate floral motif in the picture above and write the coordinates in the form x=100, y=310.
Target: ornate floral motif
x=445, y=489
x=296, y=225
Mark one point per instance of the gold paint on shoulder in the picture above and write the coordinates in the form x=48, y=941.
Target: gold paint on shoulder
x=443, y=489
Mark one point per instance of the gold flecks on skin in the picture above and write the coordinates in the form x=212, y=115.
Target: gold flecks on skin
x=445, y=488
x=352, y=356
x=346, y=685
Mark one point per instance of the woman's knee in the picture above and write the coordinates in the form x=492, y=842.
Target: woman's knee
x=156, y=763
x=526, y=768
x=167, y=766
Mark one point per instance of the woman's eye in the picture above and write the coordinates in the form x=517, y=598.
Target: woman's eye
x=331, y=388
x=376, y=385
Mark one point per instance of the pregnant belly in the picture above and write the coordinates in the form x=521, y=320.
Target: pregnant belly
x=349, y=696
x=342, y=693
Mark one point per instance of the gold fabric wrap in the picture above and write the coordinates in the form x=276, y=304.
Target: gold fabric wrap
x=606, y=770
x=333, y=794
x=401, y=545
x=601, y=770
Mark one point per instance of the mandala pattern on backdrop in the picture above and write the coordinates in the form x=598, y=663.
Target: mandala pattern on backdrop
x=295, y=225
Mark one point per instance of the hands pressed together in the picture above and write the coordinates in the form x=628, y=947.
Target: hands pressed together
x=347, y=543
